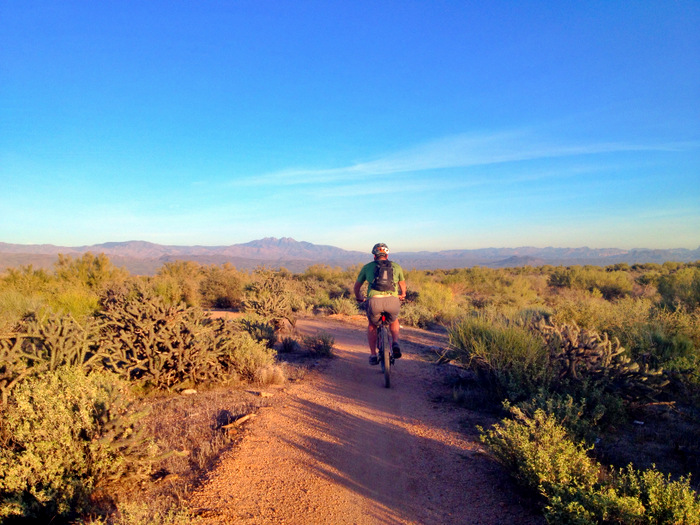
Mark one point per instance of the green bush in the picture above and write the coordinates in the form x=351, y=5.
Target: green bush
x=413, y=314
x=261, y=331
x=80, y=302
x=222, y=287
x=320, y=344
x=15, y=305
x=63, y=434
x=179, y=281
x=578, y=416
x=289, y=345
x=681, y=289
x=540, y=454
x=246, y=357
x=344, y=306
x=94, y=271
x=509, y=357
x=144, y=514
x=663, y=499
x=610, y=284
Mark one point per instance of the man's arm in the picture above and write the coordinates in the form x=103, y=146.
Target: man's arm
x=402, y=290
x=357, y=289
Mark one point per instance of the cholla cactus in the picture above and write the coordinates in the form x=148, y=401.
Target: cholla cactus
x=577, y=354
x=41, y=344
x=269, y=298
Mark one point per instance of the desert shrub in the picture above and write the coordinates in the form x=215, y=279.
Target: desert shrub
x=63, y=434
x=414, y=314
x=650, y=278
x=222, y=287
x=675, y=352
x=259, y=330
x=289, y=345
x=168, y=289
x=681, y=289
x=28, y=291
x=664, y=500
x=314, y=294
x=26, y=279
x=541, y=455
x=438, y=299
x=678, y=321
x=485, y=286
x=245, y=357
x=179, y=281
x=320, y=344
x=509, y=357
x=610, y=284
x=73, y=299
x=93, y=271
x=270, y=375
x=578, y=416
x=141, y=513
x=15, y=305
x=343, y=306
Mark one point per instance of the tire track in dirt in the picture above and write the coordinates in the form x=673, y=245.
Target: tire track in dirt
x=339, y=448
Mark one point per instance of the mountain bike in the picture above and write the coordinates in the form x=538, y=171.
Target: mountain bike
x=384, y=351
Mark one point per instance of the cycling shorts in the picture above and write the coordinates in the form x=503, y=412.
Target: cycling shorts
x=390, y=304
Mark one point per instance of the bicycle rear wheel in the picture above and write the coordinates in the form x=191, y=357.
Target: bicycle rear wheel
x=386, y=356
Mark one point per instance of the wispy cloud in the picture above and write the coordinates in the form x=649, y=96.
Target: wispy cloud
x=458, y=151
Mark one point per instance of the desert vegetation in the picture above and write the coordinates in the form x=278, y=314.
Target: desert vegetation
x=94, y=360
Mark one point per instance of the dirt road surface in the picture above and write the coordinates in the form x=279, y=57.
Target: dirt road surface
x=339, y=448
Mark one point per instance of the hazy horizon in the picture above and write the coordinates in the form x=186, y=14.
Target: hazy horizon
x=367, y=250
x=430, y=126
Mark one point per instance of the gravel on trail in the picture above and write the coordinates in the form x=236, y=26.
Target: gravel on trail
x=336, y=447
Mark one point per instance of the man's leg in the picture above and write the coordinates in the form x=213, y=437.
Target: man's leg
x=394, y=329
x=372, y=338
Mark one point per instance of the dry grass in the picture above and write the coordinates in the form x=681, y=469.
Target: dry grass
x=192, y=428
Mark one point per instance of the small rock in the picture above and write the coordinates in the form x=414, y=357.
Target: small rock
x=188, y=392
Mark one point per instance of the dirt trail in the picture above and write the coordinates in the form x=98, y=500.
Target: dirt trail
x=338, y=448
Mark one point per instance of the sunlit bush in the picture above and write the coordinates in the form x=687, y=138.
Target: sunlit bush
x=574, y=488
x=513, y=361
x=62, y=434
x=681, y=289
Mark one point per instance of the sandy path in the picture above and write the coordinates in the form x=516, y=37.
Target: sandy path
x=339, y=448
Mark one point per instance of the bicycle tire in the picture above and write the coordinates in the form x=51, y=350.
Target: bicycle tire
x=386, y=357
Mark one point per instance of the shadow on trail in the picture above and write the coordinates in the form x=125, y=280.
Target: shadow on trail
x=394, y=447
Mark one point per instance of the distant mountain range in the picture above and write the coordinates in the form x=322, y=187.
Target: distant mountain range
x=144, y=258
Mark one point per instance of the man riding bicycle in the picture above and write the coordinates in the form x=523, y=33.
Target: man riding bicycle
x=385, y=291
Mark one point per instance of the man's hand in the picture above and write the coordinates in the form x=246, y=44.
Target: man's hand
x=360, y=299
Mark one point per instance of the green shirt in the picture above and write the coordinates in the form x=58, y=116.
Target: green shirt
x=367, y=274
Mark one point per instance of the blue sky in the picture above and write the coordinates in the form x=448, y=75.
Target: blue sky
x=424, y=125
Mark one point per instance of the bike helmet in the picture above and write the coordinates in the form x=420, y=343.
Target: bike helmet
x=380, y=249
